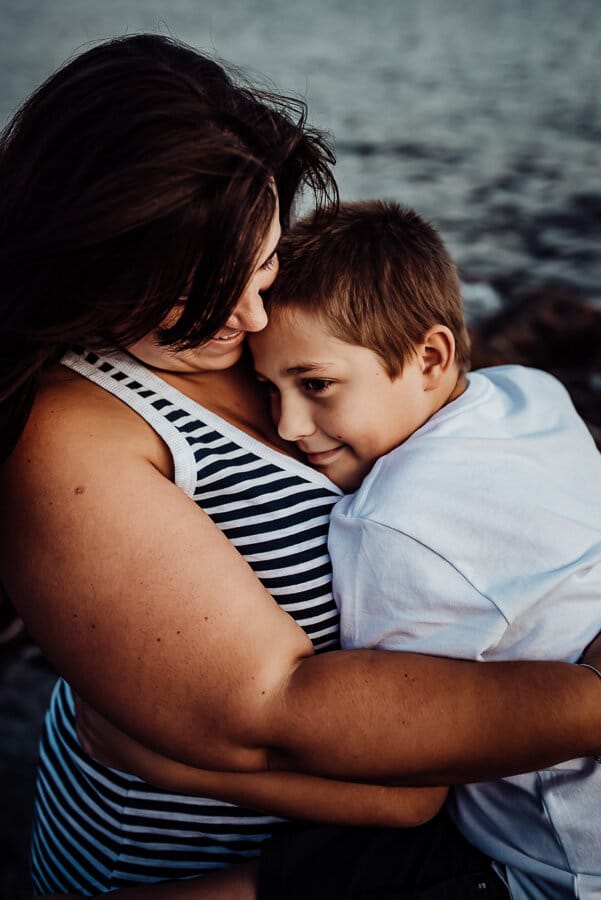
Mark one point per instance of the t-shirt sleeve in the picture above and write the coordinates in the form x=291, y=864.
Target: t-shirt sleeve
x=395, y=593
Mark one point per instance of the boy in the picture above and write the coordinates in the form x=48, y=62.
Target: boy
x=477, y=530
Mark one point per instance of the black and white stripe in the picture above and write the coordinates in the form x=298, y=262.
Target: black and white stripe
x=97, y=829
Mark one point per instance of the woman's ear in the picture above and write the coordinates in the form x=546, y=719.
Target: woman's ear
x=437, y=355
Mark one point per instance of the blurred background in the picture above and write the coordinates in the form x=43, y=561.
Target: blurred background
x=484, y=115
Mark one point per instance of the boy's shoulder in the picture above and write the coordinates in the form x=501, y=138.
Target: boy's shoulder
x=515, y=399
x=510, y=425
x=511, y=376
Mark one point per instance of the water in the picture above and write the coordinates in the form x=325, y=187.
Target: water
x=483, y=115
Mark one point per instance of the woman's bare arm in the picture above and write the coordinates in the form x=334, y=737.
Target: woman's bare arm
x=305, y=797
x=151, y=614
x=484, y=720
x=288, y=794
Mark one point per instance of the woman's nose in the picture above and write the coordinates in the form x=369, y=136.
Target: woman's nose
x=249, y=313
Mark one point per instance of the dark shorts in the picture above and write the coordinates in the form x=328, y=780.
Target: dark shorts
x=431, y=862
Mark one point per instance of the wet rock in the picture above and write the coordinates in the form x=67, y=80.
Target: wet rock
x=26, y=681
x=551, y=329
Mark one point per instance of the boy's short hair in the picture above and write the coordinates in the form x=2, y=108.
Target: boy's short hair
x=377, y=274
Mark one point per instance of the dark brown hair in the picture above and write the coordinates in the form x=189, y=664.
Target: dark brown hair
x=138, y=172
x=378, y=275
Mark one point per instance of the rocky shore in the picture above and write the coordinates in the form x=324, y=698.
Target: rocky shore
x=549, y=328
x=26, y=681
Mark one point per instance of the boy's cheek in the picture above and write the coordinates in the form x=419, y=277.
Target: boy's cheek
x=274, y=408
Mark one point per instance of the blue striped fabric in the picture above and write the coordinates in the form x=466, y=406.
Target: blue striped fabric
x=97, y=829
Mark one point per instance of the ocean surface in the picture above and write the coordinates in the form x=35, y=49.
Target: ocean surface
x=485, y=115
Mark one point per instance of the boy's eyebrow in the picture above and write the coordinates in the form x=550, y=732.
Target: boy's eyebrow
x=317, y=368
x=307, y=367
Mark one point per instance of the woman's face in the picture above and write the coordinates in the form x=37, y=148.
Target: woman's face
x=225, y=347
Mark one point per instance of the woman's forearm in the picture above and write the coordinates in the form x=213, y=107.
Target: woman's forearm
x=304, y=797
x=378, y=716
x=287, y=794
x=369, y=715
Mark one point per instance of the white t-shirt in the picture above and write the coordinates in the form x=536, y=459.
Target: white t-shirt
x=480, y=537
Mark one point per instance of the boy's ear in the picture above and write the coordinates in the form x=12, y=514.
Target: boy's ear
x=437, y=355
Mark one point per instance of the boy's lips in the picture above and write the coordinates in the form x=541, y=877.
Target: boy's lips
x=323, y=457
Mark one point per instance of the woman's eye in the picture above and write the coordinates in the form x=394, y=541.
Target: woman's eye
x=270, y=263
x=316, y=385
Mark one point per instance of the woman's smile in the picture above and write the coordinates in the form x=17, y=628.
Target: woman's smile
x=227, y=340
x=232, y=336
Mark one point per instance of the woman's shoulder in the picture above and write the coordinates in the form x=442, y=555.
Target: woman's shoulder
x=72, y=417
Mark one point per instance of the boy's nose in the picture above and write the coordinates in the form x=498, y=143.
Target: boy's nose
x=294, y=421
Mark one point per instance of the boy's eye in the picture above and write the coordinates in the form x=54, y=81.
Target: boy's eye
x=316, y=385
x=268, y=385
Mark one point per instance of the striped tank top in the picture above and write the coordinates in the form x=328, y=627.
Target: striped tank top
x=97, y=829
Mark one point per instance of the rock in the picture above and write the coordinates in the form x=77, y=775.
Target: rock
x=26, y=681
x=553, y=330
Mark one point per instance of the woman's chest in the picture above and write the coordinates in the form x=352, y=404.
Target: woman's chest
x=235, y=396
x=276, y=513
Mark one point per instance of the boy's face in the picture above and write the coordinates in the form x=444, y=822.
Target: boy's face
x=336, y=400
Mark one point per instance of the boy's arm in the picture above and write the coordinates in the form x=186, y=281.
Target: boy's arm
x=287, y=794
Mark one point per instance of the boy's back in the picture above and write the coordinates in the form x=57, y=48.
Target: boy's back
x=480, y=537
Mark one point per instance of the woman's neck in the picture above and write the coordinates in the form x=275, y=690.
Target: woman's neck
x=236, y=396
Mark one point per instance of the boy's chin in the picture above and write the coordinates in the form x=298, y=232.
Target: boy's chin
x=350, y=480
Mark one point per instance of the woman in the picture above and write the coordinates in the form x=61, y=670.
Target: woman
x=142, y=196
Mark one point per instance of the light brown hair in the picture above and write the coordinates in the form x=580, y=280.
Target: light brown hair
x=378, y=275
